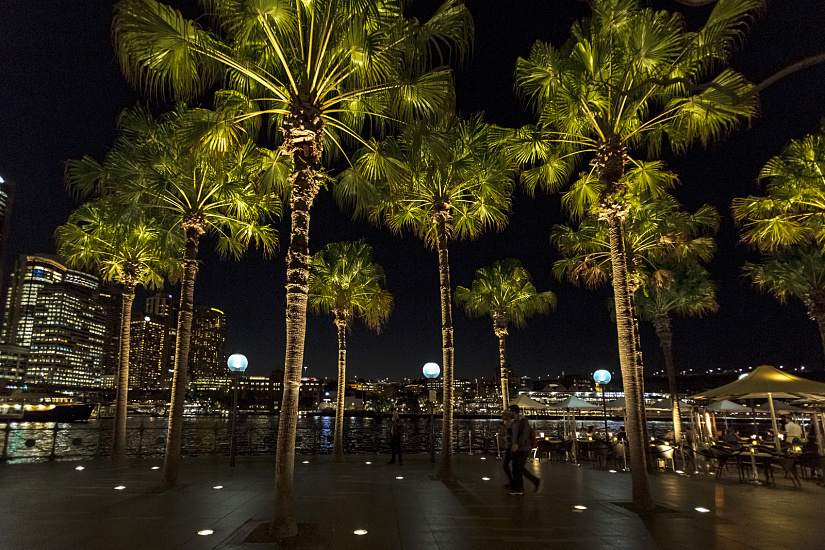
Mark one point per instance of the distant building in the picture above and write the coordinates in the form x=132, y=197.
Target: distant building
x=31, y=274
x=111, y=299
x=150, y=356
x=207, y=356
x=68, y=330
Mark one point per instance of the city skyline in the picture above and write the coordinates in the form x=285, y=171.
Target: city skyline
x=68, y=92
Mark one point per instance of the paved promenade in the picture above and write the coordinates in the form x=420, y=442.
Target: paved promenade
x=55, y=506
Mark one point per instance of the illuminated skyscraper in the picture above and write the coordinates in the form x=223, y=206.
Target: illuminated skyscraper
x=68, y=330
x=151, y=351
x=207, y=358
x=31, y=274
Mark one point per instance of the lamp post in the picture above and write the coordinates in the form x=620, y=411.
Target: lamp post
x=602, y=378
x=236, y=363
x=432, y=370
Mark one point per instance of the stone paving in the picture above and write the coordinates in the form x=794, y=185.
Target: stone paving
x=54, y=506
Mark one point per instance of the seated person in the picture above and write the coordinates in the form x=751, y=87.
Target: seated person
x=731, y=437
x=793, y=432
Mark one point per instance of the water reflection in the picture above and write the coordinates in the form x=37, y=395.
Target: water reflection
x=257, y=435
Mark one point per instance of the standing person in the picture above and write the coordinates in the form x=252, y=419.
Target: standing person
x=505, y=435
x=520, y=432
x=793, y=432
x=396, y=432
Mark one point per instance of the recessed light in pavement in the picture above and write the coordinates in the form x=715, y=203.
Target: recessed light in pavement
x=218, y=487
x=360, y=532
x=368, y=462
x=485, y=479
x=483, y=458
x=156, y=467
x=612, y=471
x=205, y=532
x=306, y=461
x=120, y=487
x=80, y=468
x=702, y=510
x=580, y=507
x=399, y=477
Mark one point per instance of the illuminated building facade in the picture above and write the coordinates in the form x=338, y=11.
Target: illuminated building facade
x=207, y=356
x=151, y=351
x=31, y=274
x=68, y=330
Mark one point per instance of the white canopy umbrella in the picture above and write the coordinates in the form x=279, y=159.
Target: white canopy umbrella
x=526, y=402
x=768, y=382
x=667, y=404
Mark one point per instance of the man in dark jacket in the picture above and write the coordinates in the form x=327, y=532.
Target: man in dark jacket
x=520, y=431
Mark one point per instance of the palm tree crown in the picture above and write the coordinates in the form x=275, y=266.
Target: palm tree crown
x=504, y=292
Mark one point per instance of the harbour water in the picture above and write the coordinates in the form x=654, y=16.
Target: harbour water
x=257, y=435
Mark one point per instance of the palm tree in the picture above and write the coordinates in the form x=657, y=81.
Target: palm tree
x=230, y=194
x=629, y=78
x=791, y=212
x=674, y=288
x=132, y=252
x=658, y=238
x=345, y=280
x=504, y=292
x=441, y=181
x=795, y=272
x=318, y=71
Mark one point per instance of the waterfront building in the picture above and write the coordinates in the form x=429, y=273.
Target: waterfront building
x=207, y=356
x=150, y=353
x=68, y=329
x=31, y=274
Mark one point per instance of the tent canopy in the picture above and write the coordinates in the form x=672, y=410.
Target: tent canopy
x=526, y=402
x=617, y=404
x=573, y=402
x=766, y=381
x=667, y=404
x=726, y=406
x=779, y=406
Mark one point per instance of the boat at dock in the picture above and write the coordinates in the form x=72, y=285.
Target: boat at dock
x=41, y=406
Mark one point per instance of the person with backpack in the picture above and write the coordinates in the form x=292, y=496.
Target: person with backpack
x=520, y=431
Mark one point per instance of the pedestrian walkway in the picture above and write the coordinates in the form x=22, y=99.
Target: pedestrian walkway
x=55, y=506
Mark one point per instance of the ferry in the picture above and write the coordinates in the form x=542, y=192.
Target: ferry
x=41, y=406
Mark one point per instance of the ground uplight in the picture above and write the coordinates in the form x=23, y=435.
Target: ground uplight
x=306, y=461
x=218, y=487
x=120, y=487
x=80, y=468
x=399, y=477
x=360, y=532
x=205, y=532
x=580, y=507
x=702, y=510
x=368, y=462
x=485, y=479
x=156, y=467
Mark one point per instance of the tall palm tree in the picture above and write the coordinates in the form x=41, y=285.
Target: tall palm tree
x=504, y=292
x=317, y=71
x=658, y=237
x=630, y=78
x=131, y=252
x=232, y=194
x=345, y=280
x=443, y=182
x=684, y=289
x=794, y=272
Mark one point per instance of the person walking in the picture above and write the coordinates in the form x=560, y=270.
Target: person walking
x=504, y=435
x=396, y=432
x=520, y=432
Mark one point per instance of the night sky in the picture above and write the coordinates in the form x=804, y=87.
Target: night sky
x=63, y=91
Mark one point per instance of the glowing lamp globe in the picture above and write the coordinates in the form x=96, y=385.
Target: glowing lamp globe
x=602, y=377
x=432, y=370
x=237, y=362
x=741, y=376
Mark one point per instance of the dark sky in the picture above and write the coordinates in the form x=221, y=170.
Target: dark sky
x=63, y=90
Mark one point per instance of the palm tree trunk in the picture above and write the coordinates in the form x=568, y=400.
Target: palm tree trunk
x=338, y=443
x=174, y=432
x=303, y=142
x=445, y=467
x=122, y=399
x=611, y=167
x=502, y=359
x=640, y=375
x=664, y=332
